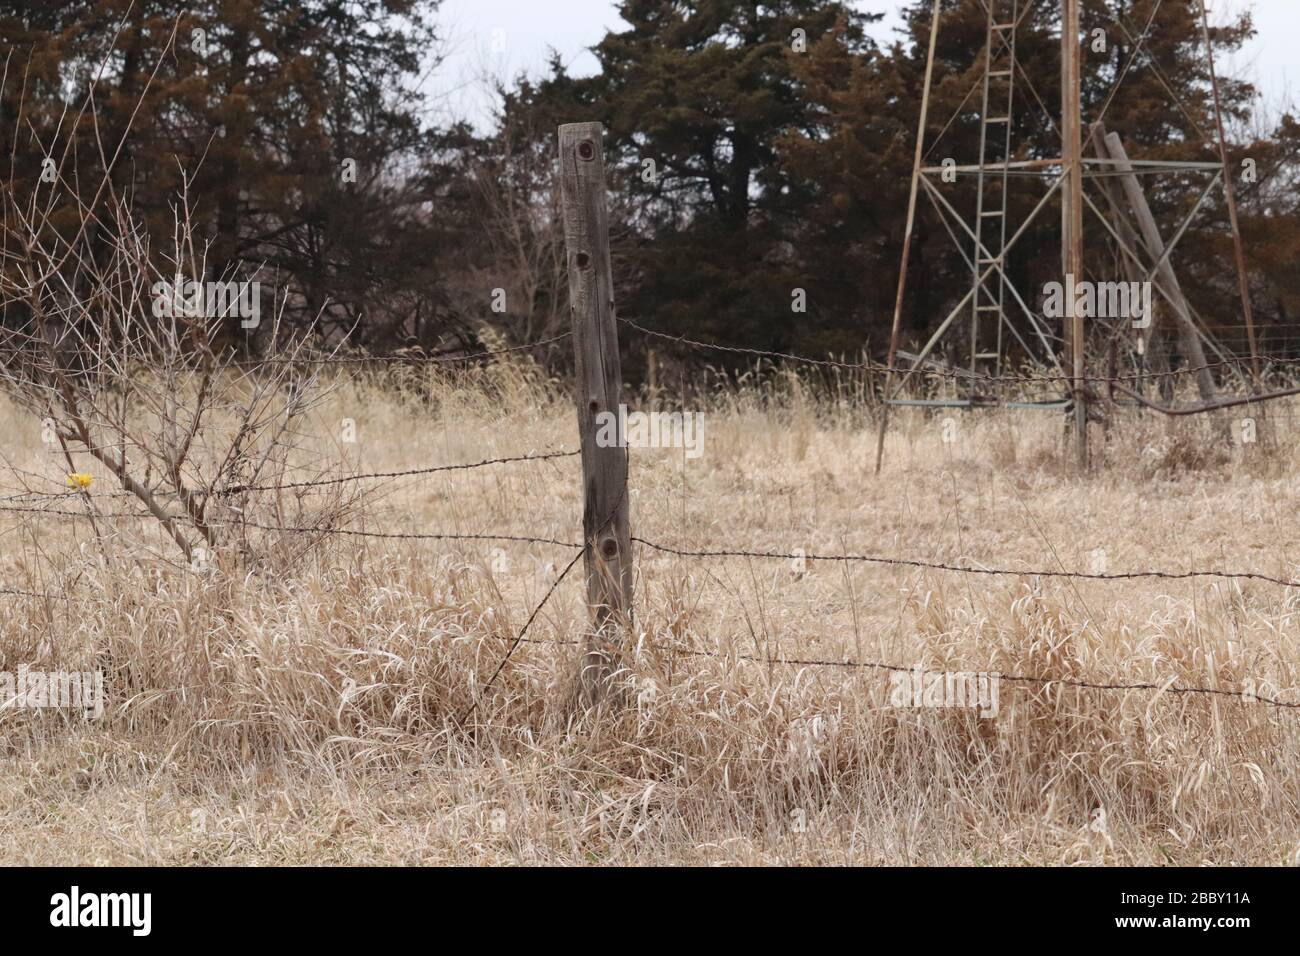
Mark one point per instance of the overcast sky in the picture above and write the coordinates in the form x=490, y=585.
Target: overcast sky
x=505, y=36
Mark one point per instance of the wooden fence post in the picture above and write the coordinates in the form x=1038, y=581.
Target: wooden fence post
x=605, y=526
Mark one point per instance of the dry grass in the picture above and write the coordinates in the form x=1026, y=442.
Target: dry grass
x=303, y=707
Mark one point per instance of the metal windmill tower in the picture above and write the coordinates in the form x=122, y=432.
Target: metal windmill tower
x=986, y=238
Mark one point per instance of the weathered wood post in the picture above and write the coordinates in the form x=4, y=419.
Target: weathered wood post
x=606, y=534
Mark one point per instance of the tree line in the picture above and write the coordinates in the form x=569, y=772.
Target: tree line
x=759, y=154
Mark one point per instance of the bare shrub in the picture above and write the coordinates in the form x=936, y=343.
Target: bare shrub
x=127, y=359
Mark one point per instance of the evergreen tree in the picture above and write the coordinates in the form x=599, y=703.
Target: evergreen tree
x=294, y=124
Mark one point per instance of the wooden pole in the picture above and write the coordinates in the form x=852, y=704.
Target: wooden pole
x=1154, y=356
x=907, y=234
x=1072, y=238
x=1243, y=282
x=1188, y=337
x=598, y=392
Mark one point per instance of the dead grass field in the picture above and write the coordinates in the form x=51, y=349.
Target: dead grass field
x=301, y=705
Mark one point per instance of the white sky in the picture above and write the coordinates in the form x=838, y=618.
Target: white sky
x=502, y=37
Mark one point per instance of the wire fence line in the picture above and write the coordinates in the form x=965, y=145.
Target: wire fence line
x=932, y=371
x=543, y=456
x=398, y=535
x=44, y=595
x=1166, y=687
x=414, y=356
x=73, y=494
x=578, y=549
x=973, y=569
x=330, y=529
x=27, y=498
x=978, y=568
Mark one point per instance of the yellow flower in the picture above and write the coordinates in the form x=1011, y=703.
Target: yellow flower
x=80, y=480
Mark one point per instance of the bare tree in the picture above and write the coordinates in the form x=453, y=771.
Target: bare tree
x=124, y=355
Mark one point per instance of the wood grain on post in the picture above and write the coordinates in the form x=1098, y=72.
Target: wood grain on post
x=606, y=534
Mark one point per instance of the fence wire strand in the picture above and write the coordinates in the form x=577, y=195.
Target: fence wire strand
x=26, y=498
x=956, y=373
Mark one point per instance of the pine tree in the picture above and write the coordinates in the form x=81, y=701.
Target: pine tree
x=257, y=112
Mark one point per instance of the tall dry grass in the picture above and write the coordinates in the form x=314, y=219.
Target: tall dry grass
x=301, y=702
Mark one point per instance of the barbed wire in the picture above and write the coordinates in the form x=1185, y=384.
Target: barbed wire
x=1167, y=687
x=544, y=456
x=29, y=496
x=762, y=353
x=920, y=563
x=520, y=637
x=107, y=515
x=967, y=569
x=956, y=373
x=411, y=357
x=396, y=535
x=44, y=595
x=1012, y=678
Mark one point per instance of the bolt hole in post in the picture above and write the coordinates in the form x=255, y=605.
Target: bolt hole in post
x=583, y=260
x=586, y=151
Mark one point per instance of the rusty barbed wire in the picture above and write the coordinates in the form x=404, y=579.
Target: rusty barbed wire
x=919, y=563
x=522, y=637
x=779, y=661
x=544, y=456
x=44, y=595
x=967, y=569
x=73, y=494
